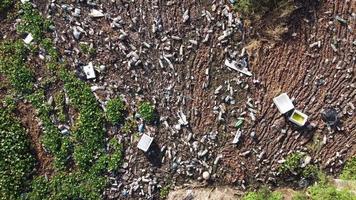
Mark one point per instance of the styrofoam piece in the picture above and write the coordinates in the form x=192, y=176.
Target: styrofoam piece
x=145, y=142
x=25, y=1
x=298, y=118
x=89, y=71
x=28, y=39
x=283, y=103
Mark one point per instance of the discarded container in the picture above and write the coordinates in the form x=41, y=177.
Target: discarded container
x=283, y=103
x=145, y=142
x=239, y=123
x=89, y=71
x=298, y=118
x=28, y=39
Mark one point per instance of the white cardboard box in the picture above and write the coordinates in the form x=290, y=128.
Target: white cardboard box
x=283, y=103
x=89, y=71
x=145, y=142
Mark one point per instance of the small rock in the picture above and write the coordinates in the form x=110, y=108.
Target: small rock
x=96, y=13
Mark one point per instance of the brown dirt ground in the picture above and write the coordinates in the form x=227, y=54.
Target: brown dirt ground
x=292, y=66
x=26, y=113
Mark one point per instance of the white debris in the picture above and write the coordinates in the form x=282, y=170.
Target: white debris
x=206, y=175
x=186, y=16
x=283, y=103
x=28, y=39
x=96, y=13
x=182, y=118
x=237, y=137
x=233, y=65
x=25, y=1
x=89, y=71
x=145, y=142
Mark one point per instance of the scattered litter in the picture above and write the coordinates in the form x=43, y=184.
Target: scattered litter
x=237, y=137
x=145, y=142
x=341, y=20
x=28, y=39
x=239, y=123
x=298, y=118
x=89, y=71
x=283, y=103
x=233, y=65
x=330, y=116
x=96, y=13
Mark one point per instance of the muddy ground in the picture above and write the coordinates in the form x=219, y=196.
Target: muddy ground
x=317, y=78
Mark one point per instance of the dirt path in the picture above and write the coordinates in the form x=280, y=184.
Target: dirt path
x=317, y=78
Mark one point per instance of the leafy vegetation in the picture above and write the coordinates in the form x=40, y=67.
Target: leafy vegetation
x=33, y=22
x=349, y=171
x=130, y=126
x=323, y=189
x=5, y=4
x=263, y=194
x=115, y=159
x=258, y=7
x=293, y=166
x=147, y=111
x=52, y=139
x=12, y=63
x=16, y=163
x=77, y=185
x=115, y=110
x=89, y=133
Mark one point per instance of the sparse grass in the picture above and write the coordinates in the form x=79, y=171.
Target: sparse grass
x=263, y=194
x=115, y=109
x=349, y=170
x=163, y=192
x=130, y=126
x=87, y=49
x=258, y=7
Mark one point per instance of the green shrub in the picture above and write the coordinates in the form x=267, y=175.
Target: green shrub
x=259, y=7
x=349, y=171
x=89, y=132
x=147, y=111
x=5, y=4
x=292, y=163
x=77, y=185
x=263, y=194
x=32, y=22
x=16, y=163
x=115, y=160
x=12, y=57
x=115, y=110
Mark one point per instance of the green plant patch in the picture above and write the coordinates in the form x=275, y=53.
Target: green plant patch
x=89, y=132
x=5, y=4
x=349, y=170
x=258, y=7
x=263, y=194
x=147, y=111
x=52, y=139
x=16, y=163
x=12, y=63
x=33, y=22
x=87, y=49
x=75, y=185
x=115, y=109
